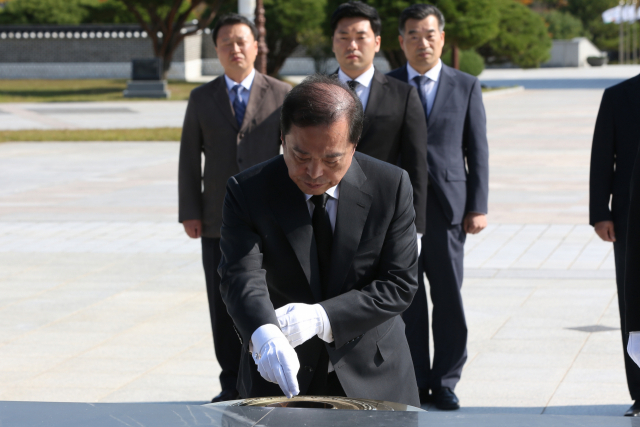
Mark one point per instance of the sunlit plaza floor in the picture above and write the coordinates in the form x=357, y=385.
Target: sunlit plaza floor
x=102, y=295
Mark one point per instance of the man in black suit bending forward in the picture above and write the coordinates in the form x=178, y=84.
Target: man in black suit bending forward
x=458, y=158
x=320, y=258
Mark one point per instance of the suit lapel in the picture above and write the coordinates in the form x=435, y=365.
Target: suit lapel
x=404, y=74
x=445, y=87
x=290, y=209
x=259, y=89
x=376, y=98
x=221, y=98
x=353, y=209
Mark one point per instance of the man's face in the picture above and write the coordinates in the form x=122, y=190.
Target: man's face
x=422, y=43
x=355, y=44
x=318, y=157
x=236, y=47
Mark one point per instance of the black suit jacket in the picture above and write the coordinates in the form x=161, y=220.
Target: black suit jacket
x=270, y=260
x=615, y=143
x=394, y=132
x=457, y=135
x=632, y=276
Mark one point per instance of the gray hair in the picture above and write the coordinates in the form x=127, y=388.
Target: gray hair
x=321, y=101
x=419, y=12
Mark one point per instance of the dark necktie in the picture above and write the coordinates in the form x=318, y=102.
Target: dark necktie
x=238, y=105
x=324, y=238
x=352, y=85
x=421, y=81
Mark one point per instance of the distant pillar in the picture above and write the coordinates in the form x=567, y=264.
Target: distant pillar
x=261, y=60
x=621, y=36
x=247, y=8
x=635, y=32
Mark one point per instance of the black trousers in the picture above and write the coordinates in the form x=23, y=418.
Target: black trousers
x=225, y=340
x=620, y=210
x=441, y=259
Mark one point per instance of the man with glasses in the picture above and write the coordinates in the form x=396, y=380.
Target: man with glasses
x=457, y=199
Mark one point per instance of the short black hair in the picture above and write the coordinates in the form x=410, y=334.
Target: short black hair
x=232, y=19
x=357, y=9
x=419, y=12
x=322, y=100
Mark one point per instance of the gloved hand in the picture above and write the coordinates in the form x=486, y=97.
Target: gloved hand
x=277, y=361
x=633, y=347
x=301, y=322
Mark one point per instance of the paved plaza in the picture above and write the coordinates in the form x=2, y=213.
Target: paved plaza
x=102, y=295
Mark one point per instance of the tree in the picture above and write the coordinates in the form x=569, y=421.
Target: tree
x=469, y=24
x=604, y=36
x=164, y=21
x=563, y=25
x=470, y=61
x=523, y=38
x=290, y=22
x=68, y=12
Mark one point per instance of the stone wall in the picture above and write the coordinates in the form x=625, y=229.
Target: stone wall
x=86, y=51
x=106, y=51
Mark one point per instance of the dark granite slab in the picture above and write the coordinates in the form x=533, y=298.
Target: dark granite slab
x=20, y=414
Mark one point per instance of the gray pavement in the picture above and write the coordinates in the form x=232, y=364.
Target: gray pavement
x=94, y=115
x=102, y=295
x=560, y=78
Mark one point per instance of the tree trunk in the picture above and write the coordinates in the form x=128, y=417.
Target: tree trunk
x=279, y=51
x=167, y=58
x=455, y=56
x=395, y=58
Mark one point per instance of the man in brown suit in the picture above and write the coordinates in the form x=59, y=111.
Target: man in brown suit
x=234, y=121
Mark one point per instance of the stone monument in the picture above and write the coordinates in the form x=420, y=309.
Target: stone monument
x=146, y=80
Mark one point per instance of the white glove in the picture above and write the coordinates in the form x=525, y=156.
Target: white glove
x=301, y=322
x=277, y=361
x=419, y=243
x=633, y=347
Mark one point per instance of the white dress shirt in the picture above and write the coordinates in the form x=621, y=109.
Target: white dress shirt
x=364, y=88
x=245, y=91
x=331, y=206
x=431, y=87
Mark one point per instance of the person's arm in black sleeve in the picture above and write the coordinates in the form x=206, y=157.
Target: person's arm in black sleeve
x=355, y=312
x=189, y=167
x=602, y=162
x=243, y=284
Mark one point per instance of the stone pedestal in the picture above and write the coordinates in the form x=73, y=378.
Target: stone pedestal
x=147, y=89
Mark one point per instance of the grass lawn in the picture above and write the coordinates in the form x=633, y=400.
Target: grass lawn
x=143, y=134
x=79, y=90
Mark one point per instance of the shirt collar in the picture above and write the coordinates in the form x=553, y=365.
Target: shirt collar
x=433, y=74
x=364, y=79
x=332, y=192
x=246, y=83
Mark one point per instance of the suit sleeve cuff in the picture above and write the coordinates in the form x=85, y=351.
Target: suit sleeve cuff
x=263, y=335
x=327, y=333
